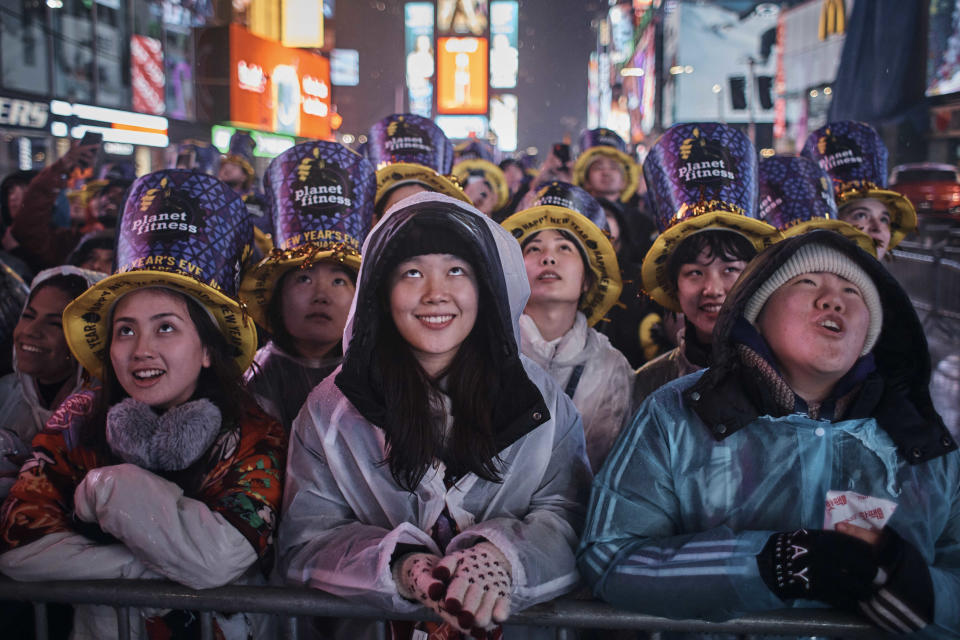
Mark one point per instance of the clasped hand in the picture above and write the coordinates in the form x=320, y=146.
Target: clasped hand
x=469, y=589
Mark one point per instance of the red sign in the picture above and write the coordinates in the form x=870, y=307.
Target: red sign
x=146, y=75
x=275, y=88
x=462, y=75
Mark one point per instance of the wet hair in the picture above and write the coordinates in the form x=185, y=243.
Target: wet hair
x=84, y=250
x=220, y=382
x=278, y=329
x=729, y=246
x=415, y=430
x=15, y=179
x=70, y=284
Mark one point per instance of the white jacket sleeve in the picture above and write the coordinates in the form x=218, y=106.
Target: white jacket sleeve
x=179, y=537
x=66, y=555
x=540, y=544
x=323, y=543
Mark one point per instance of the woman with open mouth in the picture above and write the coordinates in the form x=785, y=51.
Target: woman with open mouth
x=437, y=446
x=168, y=470
x=574, y=280
x=45, y=372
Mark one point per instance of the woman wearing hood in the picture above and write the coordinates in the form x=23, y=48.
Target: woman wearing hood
x=806, y=467
x=574, y=281
x=320, y=198
x=437, y=445
x=45, y=372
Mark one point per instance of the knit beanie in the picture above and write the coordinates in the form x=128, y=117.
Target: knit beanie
x=813, y=258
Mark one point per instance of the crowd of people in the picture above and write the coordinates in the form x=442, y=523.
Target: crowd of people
x=415, y=377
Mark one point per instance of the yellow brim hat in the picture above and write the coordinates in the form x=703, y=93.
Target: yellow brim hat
x=602, y=258
x=259, y=284
x=491, y=173
x=845, y=229
x=398, y=174
x=654, y=274
x=630, y=168
x=903, y=216
x=86, y=320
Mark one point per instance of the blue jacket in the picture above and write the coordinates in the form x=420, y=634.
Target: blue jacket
x=709, y=470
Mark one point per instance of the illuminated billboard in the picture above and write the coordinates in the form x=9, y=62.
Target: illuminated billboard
x=462, y=17
x=503, y=120
x=504, y=52
x=418, y=45
x=462, y=75
x=274, y=88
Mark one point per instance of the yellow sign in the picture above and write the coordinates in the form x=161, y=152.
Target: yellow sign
x=833, y=18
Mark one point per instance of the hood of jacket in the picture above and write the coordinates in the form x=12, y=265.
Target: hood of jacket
x=502, y=283
x=27, y=386
x=896, y=393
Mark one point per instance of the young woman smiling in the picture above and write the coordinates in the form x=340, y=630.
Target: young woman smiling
x=45, y=372
x=168, y=470
x=437, y=445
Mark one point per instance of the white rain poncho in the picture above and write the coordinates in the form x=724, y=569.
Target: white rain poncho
x=280, y=381
x=22, y=415
x=603, y=384
x=344, y=515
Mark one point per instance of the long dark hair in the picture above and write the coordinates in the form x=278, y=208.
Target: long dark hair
x=415, y=430
x=220, y=382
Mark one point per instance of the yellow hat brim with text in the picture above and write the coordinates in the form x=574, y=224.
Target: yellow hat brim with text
x=86, y=320
x=902, y=212
x=395, y=175
x=602, y=258
x=654, y=272
x=631, y=169
x=260, y=283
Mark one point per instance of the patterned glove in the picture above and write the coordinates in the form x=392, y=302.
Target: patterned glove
x=478, y=583
x=413, y=574
x=818, y=565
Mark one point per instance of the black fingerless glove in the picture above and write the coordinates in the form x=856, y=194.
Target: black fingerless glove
x=902, y=600
x=819, y=565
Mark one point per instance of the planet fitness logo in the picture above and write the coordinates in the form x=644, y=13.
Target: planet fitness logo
x=403, y=136
x=838, y=153
x=705, y=163
x=321, y=190
x=164, y=210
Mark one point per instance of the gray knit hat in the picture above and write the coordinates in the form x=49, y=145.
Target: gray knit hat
x=813, y=258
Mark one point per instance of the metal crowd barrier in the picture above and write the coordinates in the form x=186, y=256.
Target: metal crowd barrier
x=931, y=276
x=564, y=615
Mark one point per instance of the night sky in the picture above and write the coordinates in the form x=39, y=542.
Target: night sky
x=555, y=43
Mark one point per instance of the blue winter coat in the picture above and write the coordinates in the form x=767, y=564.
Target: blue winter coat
x=706, y=473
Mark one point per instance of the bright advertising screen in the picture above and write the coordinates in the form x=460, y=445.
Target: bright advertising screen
x=943, y=63
x=462, y=17
x=503, y=120
x=504, y=51
x=274, y=88
x=418, y=43
x=462, y=75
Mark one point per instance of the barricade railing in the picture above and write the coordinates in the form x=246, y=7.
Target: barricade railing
x=564, y=615
x=931, y=277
